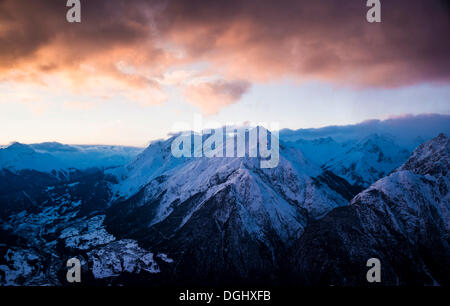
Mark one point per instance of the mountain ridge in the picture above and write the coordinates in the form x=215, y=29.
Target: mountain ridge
x=402, y=219
x=227, y=221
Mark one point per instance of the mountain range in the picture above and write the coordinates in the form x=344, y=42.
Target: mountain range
x=49, y=156
x=143, y=216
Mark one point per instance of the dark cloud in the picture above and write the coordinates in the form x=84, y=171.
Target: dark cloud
x=252, y=40
x=317, y=39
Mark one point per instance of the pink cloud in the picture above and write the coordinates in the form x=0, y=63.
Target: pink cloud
x=210, y=97
x=255, y=41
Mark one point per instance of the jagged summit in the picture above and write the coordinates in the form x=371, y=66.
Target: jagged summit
x=402, y=219
x=367, y=160
x=223, y=219
x=431, y=157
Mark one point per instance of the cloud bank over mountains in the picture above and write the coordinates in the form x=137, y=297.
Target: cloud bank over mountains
x=407, y=130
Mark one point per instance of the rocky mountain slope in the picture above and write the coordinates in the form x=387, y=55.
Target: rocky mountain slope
x=165, y=220
x=402, y=219
x=359, y=162
x=225, y=215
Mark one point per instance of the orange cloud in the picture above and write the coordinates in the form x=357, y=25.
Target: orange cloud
x=129, y=48
x=322, y=40
x=213, y=96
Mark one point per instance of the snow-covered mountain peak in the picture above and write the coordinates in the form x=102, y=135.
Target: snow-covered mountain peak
x=19, y=148
x=419, y=186
x=228, y=216
x=402, y=219
x=430, y=158
x=53, y=147
x=367, y=160
x=49, y=156
x=375, y=143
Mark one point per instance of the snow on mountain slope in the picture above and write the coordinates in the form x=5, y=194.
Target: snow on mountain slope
x=183, y=177
x=320, y=150
x=367, y=160
x=121, y=256
x=152, y=162
x=430, y=158
x=402, y=219
x=87, y=156
x=418, y=187
x=363, y=153
x=224, y=220
x=408, y=131
x=46, y=157
x=227, y=204
x=18, y=156
x=37, y=241
x=359, y=162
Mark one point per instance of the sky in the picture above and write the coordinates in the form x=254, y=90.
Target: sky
x=131, y=70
